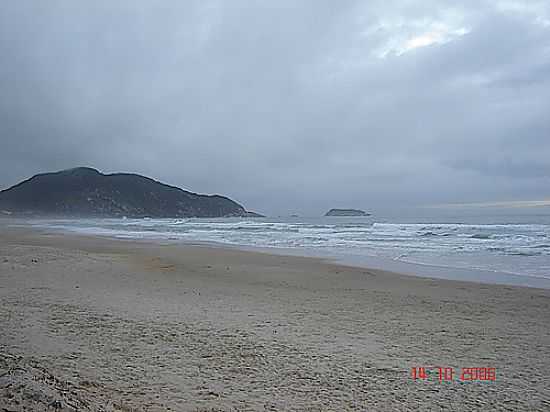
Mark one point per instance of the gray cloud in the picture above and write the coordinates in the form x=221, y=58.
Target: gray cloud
x=284, y=106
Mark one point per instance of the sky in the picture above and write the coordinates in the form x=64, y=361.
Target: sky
x=284, y=106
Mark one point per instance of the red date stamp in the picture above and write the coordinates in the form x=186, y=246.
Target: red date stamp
x=447, y=374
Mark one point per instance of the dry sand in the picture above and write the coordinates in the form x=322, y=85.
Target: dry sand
x=98, y=324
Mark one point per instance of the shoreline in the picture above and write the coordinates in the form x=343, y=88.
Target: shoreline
x=407, y=268
x=396, y=266
x=129, y=325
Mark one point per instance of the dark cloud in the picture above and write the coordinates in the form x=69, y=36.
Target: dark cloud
x=284, y=106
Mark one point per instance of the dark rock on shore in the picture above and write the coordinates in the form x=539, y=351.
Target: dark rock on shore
x=253, y=214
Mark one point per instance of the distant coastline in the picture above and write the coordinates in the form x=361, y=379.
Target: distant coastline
x=86, y=192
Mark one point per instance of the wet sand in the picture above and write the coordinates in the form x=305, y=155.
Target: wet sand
x=104, y=325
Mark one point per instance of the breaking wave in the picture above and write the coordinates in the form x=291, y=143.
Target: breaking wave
x=517, y=248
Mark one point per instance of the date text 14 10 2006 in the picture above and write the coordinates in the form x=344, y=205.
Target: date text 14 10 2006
x=448, y=374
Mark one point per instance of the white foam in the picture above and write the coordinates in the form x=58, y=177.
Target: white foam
x=516, y=248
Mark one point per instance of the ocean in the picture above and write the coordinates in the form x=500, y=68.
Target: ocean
x=495, y=245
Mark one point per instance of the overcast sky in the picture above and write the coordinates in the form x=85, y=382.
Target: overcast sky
x=285, y=106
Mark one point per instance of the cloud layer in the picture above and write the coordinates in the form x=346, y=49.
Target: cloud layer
x=285, y=106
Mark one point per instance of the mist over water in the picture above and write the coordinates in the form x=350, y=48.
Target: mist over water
x=515, y=241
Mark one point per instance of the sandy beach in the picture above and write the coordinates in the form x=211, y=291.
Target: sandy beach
x=95, y=324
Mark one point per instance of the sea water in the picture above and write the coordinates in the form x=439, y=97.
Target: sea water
x=465, y=243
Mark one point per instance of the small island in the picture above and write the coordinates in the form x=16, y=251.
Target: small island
x=346, y=212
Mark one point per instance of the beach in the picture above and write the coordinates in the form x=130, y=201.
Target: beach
x=103, y=324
